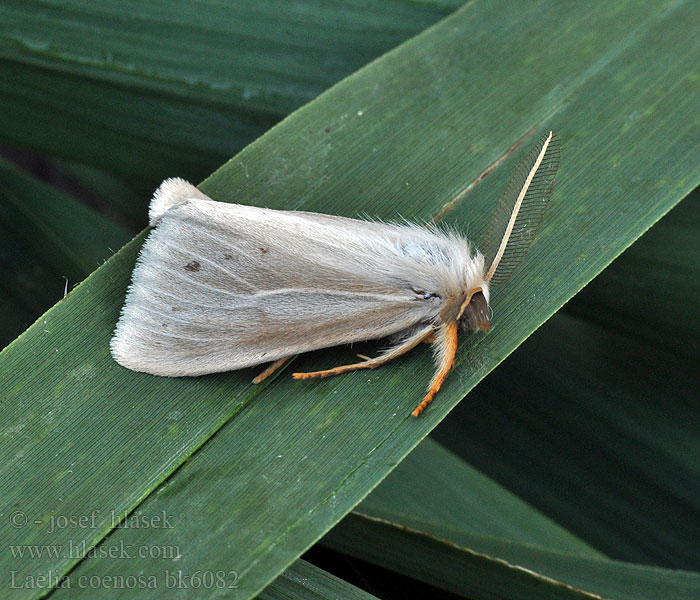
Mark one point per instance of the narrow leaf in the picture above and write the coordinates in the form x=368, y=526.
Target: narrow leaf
x=175, y=88
x=468, y=504
x=509, y=570
x=605, y=440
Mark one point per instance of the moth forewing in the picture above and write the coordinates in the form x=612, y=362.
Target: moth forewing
x=222, y=286
x=519, y=213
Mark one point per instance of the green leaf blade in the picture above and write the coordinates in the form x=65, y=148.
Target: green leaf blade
x=174, y=87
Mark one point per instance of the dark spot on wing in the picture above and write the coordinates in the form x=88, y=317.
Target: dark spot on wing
x=193, y=266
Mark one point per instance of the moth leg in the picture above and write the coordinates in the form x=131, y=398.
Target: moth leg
x=372, y=363
x=446, y=340
x=270, y=370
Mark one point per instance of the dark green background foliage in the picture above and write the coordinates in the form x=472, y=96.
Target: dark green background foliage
x=571, y=470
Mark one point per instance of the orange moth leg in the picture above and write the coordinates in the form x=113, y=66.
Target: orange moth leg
x=372, y=363
x=447, y=349
x=367, y=364
x=270, y=370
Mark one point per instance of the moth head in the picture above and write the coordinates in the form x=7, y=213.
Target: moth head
x=475, y=313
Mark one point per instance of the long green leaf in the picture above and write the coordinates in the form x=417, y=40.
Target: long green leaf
x=599, y=432
x=406, y=134
x=175, y=87
x=472, y=512
x=506, y=569
x=467, y=503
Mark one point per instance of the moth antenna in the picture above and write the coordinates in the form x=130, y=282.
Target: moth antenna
x=171, y=192
x=517, y=218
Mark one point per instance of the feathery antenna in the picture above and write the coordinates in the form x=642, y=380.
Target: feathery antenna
x=517, y=218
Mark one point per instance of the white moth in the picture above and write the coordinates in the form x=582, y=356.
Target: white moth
x=222, y=286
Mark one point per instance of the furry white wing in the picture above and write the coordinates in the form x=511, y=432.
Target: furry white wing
x=223, y=286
